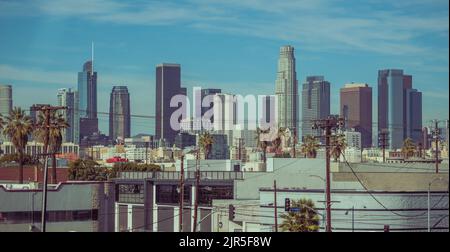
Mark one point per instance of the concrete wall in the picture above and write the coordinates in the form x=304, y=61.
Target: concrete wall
x=65, y=197
x=410, y=209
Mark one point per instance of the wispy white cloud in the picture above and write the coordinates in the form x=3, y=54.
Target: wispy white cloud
x=69, y=79
x=9, y=72
x=436, y=94
x=313, y=24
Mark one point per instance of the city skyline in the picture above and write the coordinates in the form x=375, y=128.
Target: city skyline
x=238, y=61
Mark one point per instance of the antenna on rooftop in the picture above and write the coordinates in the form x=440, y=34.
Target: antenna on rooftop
x=92, y=58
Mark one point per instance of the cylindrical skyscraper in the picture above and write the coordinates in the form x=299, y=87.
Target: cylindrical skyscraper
x=286, y=89
x=119, y=113
x=5, y=99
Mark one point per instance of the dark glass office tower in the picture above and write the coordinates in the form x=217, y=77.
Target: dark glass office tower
x=205, y=92
x=87, y=92
x=119, y=113
x=399, y=107
x=315, y=103
x=168, y=84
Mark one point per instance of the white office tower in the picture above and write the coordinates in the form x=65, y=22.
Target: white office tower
x=353, y=139
x=286, y=89
x=69, y=99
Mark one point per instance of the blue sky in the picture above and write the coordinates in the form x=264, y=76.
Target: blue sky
x=228, y=44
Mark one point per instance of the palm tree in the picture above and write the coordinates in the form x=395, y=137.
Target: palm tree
x=206, y=141
x=310, y=146
x=305, y=220
x=57, y=125
x=262, y=144
x=281, y=134
x=2, y=122
x=17, y=128
x=338, y=145
x=409, y=147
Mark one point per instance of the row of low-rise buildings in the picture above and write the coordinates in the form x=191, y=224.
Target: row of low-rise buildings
x=365, y=197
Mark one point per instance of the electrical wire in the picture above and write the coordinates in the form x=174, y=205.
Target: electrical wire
x=371, y=194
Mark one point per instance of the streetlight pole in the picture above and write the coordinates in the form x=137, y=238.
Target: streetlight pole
x=429, y=202
x=353, y=218
x=324, y=198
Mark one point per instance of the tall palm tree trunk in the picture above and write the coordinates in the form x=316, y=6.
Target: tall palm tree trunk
x=20, y=168
x=53, y=181
x=264, y=155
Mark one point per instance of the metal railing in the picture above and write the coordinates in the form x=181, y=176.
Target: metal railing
x=204, y=175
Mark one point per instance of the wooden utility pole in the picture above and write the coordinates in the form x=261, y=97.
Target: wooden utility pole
x=383, y=142
x=275, y=204
x=240, y=146
x=146, y=153
x=294, y=141
x=46, y=109
x=328, y=124
x=181, y=198
x=197, y=183
x=436, y=133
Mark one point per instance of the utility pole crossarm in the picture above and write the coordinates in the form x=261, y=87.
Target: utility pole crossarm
x=328, y=124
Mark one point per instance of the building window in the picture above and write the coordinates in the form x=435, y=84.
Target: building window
x=52, y=216
x=130, y=193
x=208, y=193
x=168, y=194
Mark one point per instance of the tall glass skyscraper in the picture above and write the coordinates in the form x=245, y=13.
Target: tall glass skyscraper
x=168, y=84
x=399, y=107
x=87, y=89
x=315, y=103
x=5, y=99
x=119, y=113
x=286, y=89
x=69, y=98
x=87, y=92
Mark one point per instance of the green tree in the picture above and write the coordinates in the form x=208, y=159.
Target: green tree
x=10, y=158
x=130, y=166
x=276, y=143
x=262, y=144
x=310, y=146
x=2, y=123
x=305, y=220
x=338, y=145
x=17, y=128
x=409, y=148
x=57, y=126
x=206, y=141
x=87, y=170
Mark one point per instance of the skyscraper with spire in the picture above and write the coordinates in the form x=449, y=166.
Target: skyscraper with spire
x=286, y=89
x=87, y=92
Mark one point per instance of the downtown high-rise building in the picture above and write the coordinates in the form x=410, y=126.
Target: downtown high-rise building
x=69, y=99
x=34, y=112
x=5, y=102
x=399, y=107
x=315, y=103
x=356, y=109
x=267, y=114
x=286, y=89
x=204, y=93
x=5, y=99
x=87, y=95
x=168, y=84
x=119, y=113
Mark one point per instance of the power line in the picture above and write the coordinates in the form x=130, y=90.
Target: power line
x=370, y=193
